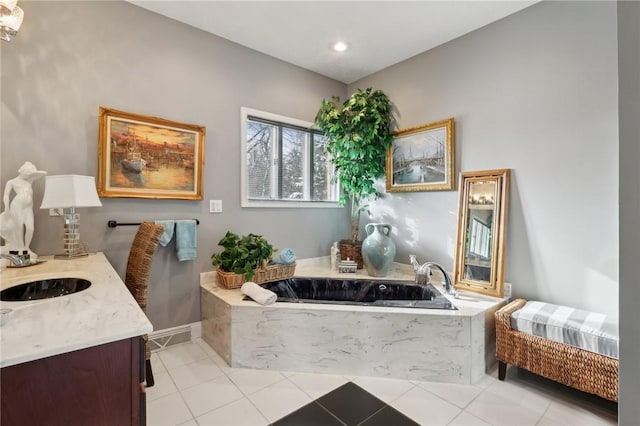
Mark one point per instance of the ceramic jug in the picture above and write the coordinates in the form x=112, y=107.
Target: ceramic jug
x=378, y=249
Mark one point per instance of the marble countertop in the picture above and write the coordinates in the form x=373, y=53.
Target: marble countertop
x=469, y=304
x=103, y=313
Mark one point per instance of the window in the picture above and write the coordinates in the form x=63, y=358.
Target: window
x=284, y=163
x=480, y=244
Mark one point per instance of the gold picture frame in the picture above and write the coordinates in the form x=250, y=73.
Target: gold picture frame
x=422, y=158
x=149, y=157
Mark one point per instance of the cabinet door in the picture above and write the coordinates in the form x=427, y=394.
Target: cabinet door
x=99, y=385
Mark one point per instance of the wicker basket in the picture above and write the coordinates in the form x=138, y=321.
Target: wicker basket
x=264, y=274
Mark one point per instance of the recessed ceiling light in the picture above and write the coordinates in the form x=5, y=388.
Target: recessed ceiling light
x=340, y=46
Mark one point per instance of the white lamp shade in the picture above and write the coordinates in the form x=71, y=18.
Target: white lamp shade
x=64, y=191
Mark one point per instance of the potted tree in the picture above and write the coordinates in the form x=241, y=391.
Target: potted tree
x=359, y=135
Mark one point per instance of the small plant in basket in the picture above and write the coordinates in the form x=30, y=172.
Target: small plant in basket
x=242, y=254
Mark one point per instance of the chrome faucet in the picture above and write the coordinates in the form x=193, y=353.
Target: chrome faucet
x=13, y=258
x=423, y=274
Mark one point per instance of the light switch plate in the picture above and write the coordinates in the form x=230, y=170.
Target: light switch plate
x=55, y=212
x=215, y=206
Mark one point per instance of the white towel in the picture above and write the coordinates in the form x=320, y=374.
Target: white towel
x=259, y=294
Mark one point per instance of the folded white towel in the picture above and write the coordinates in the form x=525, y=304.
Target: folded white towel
x=259, y=294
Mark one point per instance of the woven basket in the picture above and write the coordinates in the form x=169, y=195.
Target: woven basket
x=264, y=274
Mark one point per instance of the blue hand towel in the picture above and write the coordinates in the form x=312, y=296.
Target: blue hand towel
x=285, y=257
x=186, y=240
x=167, y=235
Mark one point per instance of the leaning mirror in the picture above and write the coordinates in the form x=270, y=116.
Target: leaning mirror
x=482, y=230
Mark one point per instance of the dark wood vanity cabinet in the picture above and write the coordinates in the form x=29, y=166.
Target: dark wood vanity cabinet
x=99, y=385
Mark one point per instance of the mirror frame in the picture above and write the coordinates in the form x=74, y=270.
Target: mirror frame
x=493, y=287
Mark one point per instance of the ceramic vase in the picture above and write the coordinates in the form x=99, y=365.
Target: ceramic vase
x=378, y=249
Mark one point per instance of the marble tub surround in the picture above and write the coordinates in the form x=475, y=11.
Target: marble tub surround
x=103, y=313
x=417, y=344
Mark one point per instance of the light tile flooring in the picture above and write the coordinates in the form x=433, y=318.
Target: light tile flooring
x=194, y=386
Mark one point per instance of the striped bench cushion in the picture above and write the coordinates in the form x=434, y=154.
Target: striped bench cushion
x=583, y=329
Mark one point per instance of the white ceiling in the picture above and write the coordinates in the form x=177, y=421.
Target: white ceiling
x=379, y=33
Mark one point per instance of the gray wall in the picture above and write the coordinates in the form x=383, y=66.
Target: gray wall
x=56, y=74
x=629, y=104
x=537, y=93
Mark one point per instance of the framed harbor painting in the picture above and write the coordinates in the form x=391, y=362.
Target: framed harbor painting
x=422, y=158
x=149, y=157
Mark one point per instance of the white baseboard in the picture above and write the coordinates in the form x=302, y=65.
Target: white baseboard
x=160, y=339
x=196, y=330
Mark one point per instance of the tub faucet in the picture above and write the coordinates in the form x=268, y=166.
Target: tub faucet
x=423, y=274
x=13, y=258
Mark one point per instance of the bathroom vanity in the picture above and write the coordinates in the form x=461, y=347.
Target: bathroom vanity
x=443, y=345
x=76, y=359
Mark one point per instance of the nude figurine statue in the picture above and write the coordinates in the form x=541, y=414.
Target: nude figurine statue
x=16, y=221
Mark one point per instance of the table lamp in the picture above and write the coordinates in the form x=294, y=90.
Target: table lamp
x=70, y=192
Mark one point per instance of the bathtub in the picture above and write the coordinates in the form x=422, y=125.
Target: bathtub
x=442, y=345
x=360, y=292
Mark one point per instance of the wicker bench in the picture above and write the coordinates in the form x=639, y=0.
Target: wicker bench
x=581, y=369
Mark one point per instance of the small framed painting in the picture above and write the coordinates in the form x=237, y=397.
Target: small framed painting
x=149, y=157
x=422, y=158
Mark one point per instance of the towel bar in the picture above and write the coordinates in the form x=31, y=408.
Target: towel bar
x=113, y=223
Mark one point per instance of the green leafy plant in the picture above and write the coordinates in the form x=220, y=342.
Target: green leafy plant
x=359, y=135
x=242, y=254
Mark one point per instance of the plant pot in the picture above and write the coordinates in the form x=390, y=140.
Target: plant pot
x=352, y=250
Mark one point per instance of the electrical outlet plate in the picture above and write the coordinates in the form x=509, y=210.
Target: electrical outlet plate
x=55, y=212
x=506, y=291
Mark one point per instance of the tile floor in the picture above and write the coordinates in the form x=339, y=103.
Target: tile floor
x=194, y=386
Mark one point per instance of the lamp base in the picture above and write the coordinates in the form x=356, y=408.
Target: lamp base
x=70, y=255
x=73, y=248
